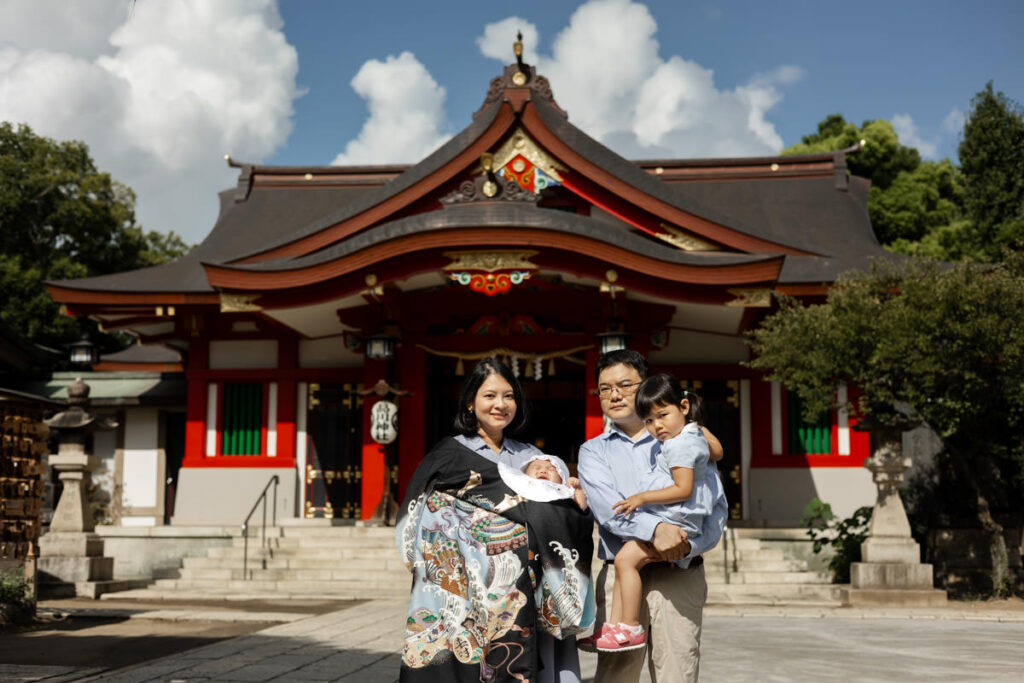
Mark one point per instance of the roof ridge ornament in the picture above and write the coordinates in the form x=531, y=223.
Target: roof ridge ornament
x=519, y=75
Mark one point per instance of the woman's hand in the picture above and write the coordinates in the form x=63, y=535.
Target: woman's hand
x=625, y=507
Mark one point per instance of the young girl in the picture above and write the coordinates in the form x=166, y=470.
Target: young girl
x=673, y=417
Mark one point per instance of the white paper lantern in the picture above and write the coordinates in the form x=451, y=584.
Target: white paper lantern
x=384, y=422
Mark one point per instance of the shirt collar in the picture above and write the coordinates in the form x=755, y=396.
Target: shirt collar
x=615, y=431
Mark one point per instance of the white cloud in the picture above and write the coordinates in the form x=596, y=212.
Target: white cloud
x=907, y=131
x=407, y=119
x=606, y=71
x=158, y=90
x=953, y=124
x=496, y=41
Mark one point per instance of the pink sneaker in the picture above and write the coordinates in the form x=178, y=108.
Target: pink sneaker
x=589, y=644
x=620, y=638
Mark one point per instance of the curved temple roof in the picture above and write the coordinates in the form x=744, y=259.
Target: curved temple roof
x=803, y=216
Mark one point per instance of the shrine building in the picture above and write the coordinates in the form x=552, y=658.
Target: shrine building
x=321, y=291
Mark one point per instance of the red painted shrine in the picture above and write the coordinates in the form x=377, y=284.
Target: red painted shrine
x=521, y=236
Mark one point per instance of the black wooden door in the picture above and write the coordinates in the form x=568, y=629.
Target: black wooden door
x=334, y=451
x=722, y=416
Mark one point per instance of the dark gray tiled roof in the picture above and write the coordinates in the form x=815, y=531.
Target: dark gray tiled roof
x=506, y=214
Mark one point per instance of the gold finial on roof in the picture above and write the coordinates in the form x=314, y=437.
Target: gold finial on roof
x=517, y=46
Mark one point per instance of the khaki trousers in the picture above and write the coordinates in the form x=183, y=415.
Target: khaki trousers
x=671, y=613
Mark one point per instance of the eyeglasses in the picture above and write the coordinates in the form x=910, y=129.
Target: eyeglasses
x=624, y=388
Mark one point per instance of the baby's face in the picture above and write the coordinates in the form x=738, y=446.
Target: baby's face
x=543, y=469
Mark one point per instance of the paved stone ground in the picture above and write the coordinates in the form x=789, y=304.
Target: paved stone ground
x=359, y=645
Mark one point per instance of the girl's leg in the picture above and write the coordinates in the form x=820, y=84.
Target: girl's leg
x=629, y=589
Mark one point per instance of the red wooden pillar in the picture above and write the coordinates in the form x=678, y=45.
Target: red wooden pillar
x=287, y=360
x=195, y=411
x=373, y=453
x=594, y=421
x=412, y=410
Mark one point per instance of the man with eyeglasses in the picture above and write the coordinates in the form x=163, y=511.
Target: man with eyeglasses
x=612, y=467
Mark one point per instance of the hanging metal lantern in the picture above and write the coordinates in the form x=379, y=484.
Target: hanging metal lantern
x=384, y=422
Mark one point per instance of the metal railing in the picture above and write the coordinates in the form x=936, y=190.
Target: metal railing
x=245, y=524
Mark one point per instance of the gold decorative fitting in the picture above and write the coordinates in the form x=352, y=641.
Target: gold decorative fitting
x=659, y=170
x=611, y=275
x=239, y=303
x=487, y=162
x=751, y=298
x=775, y=167
x=519, y=78
x=308, y=176
x=170, y=310
x=490, y=261
x=310, y=476
x=490, y=188
x=733, y=398
x=679, y=239
x=312, y=401
x=521, y=143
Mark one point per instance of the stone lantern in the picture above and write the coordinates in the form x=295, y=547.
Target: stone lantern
x=891, y=572
x=71, y=554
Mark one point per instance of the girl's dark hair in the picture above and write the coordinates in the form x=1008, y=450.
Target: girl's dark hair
x=665, y=390
x=465, y=420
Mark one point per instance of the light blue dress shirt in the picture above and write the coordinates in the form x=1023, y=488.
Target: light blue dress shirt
x=613, y=467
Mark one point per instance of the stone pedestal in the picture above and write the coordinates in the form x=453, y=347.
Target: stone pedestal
x=891, y=572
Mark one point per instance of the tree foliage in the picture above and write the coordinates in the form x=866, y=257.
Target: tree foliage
x=936, y=209
x=62, y=218
x=920, y=341
x=992, y=162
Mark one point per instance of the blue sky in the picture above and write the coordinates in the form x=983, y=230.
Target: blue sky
x=160, y=90
x=865, y=60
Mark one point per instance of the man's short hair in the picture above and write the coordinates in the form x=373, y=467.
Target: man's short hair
x=622, y=357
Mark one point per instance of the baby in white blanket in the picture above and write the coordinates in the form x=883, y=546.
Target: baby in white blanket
x=543, y=478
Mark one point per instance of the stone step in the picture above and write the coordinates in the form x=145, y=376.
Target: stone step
x=257, y=573
x=747, y=577
x=318, y=541
x=763, y=554
x=336, y=553
x=365, y=587
x=778, y=565
x=367, y=564
x=774, y=594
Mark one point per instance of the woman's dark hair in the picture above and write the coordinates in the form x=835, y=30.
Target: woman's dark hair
x=465, y=420
x=621, y=357
x=665, y=390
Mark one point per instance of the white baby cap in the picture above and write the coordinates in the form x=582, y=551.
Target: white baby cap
x=563, y=469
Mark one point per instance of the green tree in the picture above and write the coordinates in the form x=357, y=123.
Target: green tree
x=62, y=218
x=881, y=160
x=922, y=342
x=992, y=162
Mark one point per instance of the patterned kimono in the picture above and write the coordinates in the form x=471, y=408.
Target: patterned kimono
x=490, y=570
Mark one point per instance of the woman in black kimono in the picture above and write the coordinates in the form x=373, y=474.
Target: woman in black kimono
x=501, y=584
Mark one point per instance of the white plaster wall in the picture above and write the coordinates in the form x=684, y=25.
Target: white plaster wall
x=327, y=353
x=140, y=458
x=249, y=353
x=224, y=495
x=779, y=494
x=104, y=446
